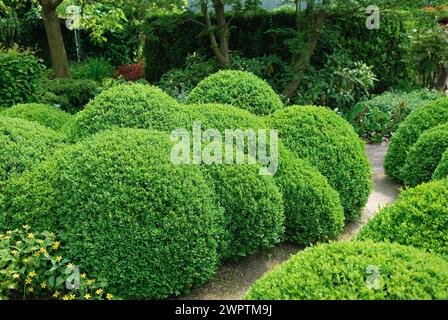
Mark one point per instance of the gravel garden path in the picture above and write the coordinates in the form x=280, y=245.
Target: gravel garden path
x=234, y=279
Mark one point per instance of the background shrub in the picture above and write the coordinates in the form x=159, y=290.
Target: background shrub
x=45, y=115
x=23, y=144
x=330, y=144
x=432, y=115
x=341, y=271
x=131, y=217
x=20, y=76
x=131, y=72
x=424, y=156
x=93, y=68
x=377, y=119
x=419, y=218
x=239, y=89
x=132, y=106
x=442, y=168
x=70, y=95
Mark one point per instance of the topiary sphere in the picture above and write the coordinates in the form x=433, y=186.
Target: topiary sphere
x=348, y=271
x=330, y=144
x=424, y=156
x=23, y=144
x=237, y=88
x=127, y=105
x=45, y=115
x=442, y=169
x=419, y=218
x=420, y=120
x=129, y=216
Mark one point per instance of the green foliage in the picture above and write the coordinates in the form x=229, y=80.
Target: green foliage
x=32, y=267
x=239, y=89
x=330, y=144
x=346, y=271
x=420, y=120
x=313, y=211
x=126, y=105
x=418, y=218
x=425, y=155
x=96, y=69
x=10, y=28
x=23, y=144
x=70, y=95
x=442, y=168
x=45, y=115
x=20, y=76
x=377, y=119
x=128, y=215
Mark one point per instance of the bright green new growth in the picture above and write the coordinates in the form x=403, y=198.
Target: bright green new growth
x=329, y=143
x=239, y=89
x=425, y=155
x=418, y=218
x=129, y=216
x=442, y=168
x=45, y=115
x=348, y=271
x=23, y=144
x=420, y=120
x=129, y=106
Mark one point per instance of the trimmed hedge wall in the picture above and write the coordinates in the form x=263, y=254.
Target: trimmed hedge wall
x=442, y=168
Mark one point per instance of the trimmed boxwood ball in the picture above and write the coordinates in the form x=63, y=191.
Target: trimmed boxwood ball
x=442, y=169
x=127, y=105
x=418, y=218
x=23, y=144
x=420, y=120
x=237, y=88
x=425, y=155
x=128, y=216
x=330, y=144
x=347, y=270
x=46, y=115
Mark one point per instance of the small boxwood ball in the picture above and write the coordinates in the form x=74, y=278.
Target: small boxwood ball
x=425, y=155
x=442, y=169
x=127, y=105
x=330, y=144
x=420, y=120
x=43, y=114
x=418, y=218
x=128, y=216
x=356, y=271
x=239, y=89
x=22, y=145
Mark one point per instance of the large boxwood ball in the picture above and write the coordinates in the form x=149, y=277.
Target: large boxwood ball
x=239, y=89
x=425, y=155
x=420, y=120
x=23, y=144
x=128, y=216
x=127, y=105
x=43, y=114
x=418, y=218
x=330, y=144
x=356, y=271
x=442, y=169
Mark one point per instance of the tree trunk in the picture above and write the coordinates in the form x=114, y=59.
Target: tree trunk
x=221, y=49
x=442, y=80
x=54, y=36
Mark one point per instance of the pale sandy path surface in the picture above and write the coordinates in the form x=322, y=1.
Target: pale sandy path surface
x=232, y=280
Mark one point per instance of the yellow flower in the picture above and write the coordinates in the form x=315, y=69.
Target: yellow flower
x=43, y=250
x=89, y=282
x=15, y=276
x=26, y=227
x=30, y=289
x=25, y=260
x=32, y=274
x=56, y=245
x=83, y=275
x=65, y=297
x=30, y=235
x=14, y=252
x=9, y=232
x=40, y=241
x=28, y=281
x=36, y=254
x=19, y=242
x=43, y=285
x=70, y=265
x=56, y=294
x=72, y=297
x=87, y=296
x=58, y=258
x=99, y=291
x=109, y=296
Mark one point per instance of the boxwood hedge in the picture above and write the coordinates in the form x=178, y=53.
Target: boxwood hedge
x=330, y=144
x=442, y=168
x=348, y=271
x=418, y=218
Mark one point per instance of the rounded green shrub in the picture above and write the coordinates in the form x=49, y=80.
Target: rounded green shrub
x=442, y=168
x=420, y=120
x=127, y=105
x=348, y=271
x=331, y=145
x=129, y=216
x=23, y=144
x=418, y=218
x=424, y=156
x=46, y=115
x=237, y=88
